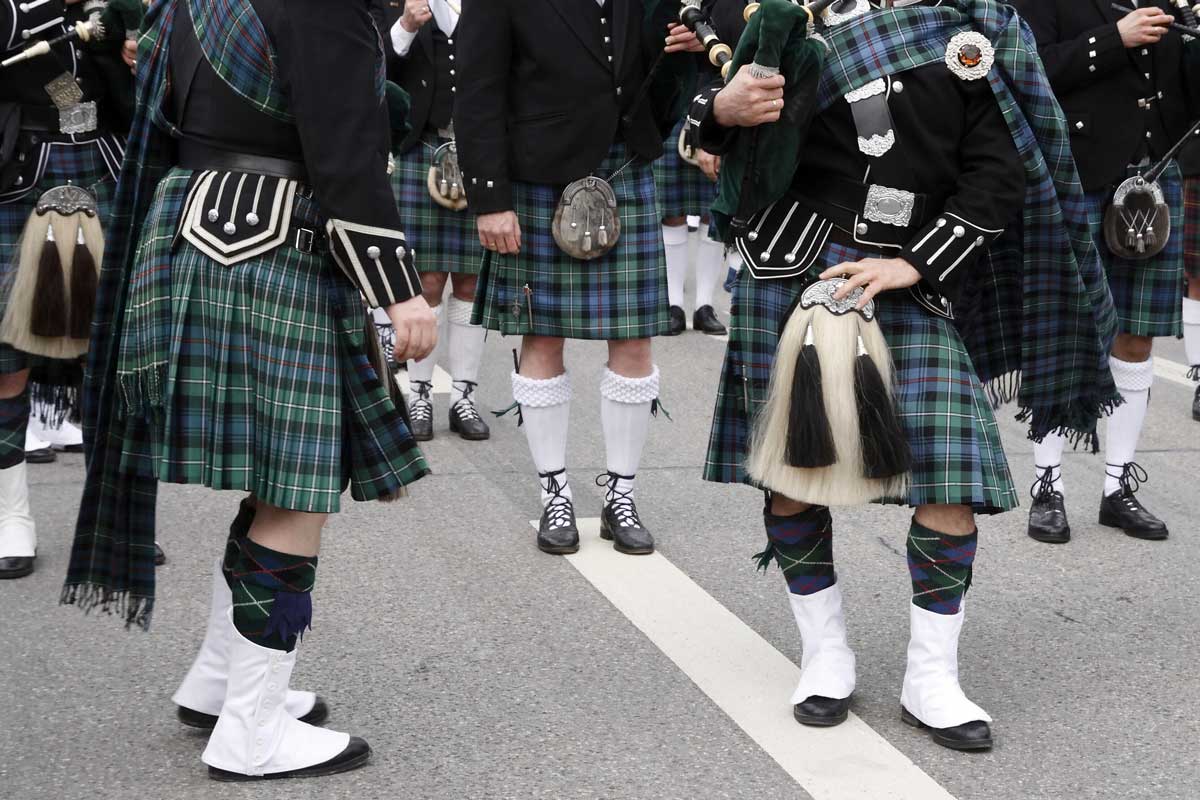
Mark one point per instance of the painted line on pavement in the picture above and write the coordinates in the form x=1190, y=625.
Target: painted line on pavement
x=1173, y=371
x=747, y=678
x=441, y=381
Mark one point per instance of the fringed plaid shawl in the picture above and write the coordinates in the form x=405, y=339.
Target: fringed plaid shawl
x=1037, y=316
x=112, y=561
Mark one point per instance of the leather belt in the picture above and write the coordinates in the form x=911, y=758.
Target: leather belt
x=43, y=119
x=196, y=156
x=863, y=214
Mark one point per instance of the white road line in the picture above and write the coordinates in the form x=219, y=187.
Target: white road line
x=441, y=381
x=1173, y=371
x=747, y=678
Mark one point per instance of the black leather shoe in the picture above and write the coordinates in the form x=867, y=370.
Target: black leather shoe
x=705, y=320
x=1196, y=405
x=198, y=719
x=160, y=557
x=975, y=735
x=821, y=712
x=558, y=534
x=420, y=412
x=357, y=753
x=465, y=419
x=1123, y=510
x=16, y=567
x=43, y=455
x=678, y=322
x=1048, y=515
x=619, y=521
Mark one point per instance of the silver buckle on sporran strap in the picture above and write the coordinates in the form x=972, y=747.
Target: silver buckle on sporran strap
x=889, y=206
x=1138, y=223
x=445, y=182
x=586, y=223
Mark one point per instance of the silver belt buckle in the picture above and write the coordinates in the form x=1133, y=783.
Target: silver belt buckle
x=889, y=206
x=77, y=118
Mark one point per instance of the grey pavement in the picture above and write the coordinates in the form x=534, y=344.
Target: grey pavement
x=478, y=667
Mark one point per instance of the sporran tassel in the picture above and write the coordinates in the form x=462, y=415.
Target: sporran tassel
x=83, y=289
x=810, y=441
x=885, y=450
x=48, y=312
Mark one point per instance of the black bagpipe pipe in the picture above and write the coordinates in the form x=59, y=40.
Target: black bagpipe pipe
x=90, y=30
x=1190, y=26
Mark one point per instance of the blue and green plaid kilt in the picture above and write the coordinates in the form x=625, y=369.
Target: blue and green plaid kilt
x=257, y=376
x=442, y=240
x=89, y=164
x=1148, y=295
x=542, y=291
x=1191, y=226
x=957, y=455
x=683, y=190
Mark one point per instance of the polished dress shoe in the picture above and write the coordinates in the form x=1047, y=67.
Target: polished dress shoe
x=420, y=412
x=1048, y=518
x=678, y=323
x=16, y=567
x=465, y=419
x=160, y=557
x=705, y=320
x=558, y=534
x=974, y=735
x=1123, y=510
x=619, y=521
x=1196, y=405
x=821, y=712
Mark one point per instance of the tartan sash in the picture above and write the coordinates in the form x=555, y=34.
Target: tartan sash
x=1038, y=316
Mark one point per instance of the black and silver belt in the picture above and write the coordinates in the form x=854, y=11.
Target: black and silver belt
x=196, y=156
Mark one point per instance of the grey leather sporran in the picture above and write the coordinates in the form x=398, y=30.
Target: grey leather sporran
x=586, y=223
x=1138, y=223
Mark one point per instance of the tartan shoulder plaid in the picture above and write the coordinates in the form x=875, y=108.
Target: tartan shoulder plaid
x=1038, y=319
x=231, y=30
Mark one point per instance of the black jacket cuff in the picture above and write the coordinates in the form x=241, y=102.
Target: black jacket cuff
x=376, y=259
x=489, y=194
x=945, y=250
x=713, y=138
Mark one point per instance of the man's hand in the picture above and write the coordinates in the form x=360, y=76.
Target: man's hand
x=682, y=40
x=747, y=102
x=416, y=328
x=416, y=14
x=129, y=53
x=710, y=165
x=500, y=232
x=1144, y=26
x=875, y=275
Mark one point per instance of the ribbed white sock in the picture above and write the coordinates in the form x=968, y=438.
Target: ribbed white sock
x=710, y=269
x=625, y=405
x=1048, y=455
x=464, y=345
x=675, y=242
x=423, y=370
x=1124, y=428
x=1191, y=330
x=546, y=411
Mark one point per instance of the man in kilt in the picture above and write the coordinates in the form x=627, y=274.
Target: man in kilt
x=970, y=221
x=50, y=137
x=549, y=94
x=1122, y=80
x=1189, y=164
x=232, y=347
x=441, y=232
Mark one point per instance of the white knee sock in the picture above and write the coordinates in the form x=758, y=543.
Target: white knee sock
x=675, y=242
x=710, y=270
x=1191, y=330
x=546, y=411
x=465, y=346
x=1133, y=380
x=422, y=370
x=625, y=405
x=1048, y=456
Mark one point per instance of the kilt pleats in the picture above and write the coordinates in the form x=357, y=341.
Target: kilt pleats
x=443, y=240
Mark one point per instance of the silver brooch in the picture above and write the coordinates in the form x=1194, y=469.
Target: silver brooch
x=67, y=200
x=821, y=294
x=877, y=145
x=970, y=55
x=832, y=17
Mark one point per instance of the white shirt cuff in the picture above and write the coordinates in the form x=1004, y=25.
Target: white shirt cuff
x=401, y=39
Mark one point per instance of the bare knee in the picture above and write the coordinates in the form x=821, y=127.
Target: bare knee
x=464, y=286
x=1133, y=349
x=674, y=222
x=13, y=384
x=1193, y=287
x=433, y=286
x=293, y=532
x=631, y=358
x=782, y=506
x=542, y=357
x=950, y=520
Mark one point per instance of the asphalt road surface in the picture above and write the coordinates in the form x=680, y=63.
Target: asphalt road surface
x=478, y=667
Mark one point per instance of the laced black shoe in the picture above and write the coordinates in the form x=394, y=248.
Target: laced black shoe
x=387, y=343
x=465, y=419
x=619, y=521
x=1048, y=514
x=678, y=323
x=1123, y=510
x=705, y=320
x=420, y=411
x=557, y=531
x=1196, y=402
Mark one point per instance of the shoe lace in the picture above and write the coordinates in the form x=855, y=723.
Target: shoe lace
x=559, y=509
x=387, y=339
x=1132, y=476
x=619, y=500
x=465, y=407
x=1043, y=487
x=1193, y=373
x=422, y=405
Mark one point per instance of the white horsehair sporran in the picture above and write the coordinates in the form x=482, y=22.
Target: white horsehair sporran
x=445, y=180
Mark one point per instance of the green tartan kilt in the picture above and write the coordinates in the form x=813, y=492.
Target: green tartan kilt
x=542, y=291
x=1148, y=295
x=442, y=240
x=683, y=190
x=258, y=376
x=958, y=458
x=88, y=164
x=1191, y=227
